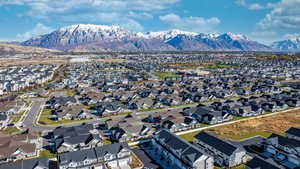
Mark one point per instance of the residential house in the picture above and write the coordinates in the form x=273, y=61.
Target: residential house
x=258, y=163
x=287, y=147
x=35, y=163
x=17, y=147
x=74, y=138
x=225, y=154
x=108, y=156
x=179, y=152
x=293, y=133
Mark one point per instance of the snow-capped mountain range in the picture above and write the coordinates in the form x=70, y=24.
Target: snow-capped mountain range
x=85, y=37
x=287, y=45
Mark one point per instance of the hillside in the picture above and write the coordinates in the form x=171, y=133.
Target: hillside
x=11, y=49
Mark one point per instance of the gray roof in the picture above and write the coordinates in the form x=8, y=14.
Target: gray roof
x=111, y=149
x=28, y=164
x=77, y=156
x=184, y=150
x=93, y=153
x=293, y=131
x=73, y=131
x=257, y=163
x=217, y=143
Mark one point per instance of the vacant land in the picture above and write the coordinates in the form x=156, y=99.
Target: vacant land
x=265, y=126
x=278, y=124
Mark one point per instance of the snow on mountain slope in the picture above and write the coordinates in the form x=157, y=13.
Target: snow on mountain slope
x=287, y=45
x=115, y=38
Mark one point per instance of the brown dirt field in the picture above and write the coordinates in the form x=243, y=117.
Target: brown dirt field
x=108, y=60
x=24, y=62
x=278, y=124
x=35, y=61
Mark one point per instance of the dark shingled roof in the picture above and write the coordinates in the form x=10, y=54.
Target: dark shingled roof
x=257, y=163
x=286, y=141
x=217, y=143
x=184, y=150
x=293, y=131
x=28, y=164
x=73, y=131
x=77, y=156
x=110, y=148
x=93, y=153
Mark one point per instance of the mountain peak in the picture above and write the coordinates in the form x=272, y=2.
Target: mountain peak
x=115, y=38
x=89, y=27
x=292, y=44
x=236, y=36
x=165, y=35
x=295, y=40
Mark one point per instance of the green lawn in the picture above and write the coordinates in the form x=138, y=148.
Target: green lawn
x=219, y=66
x=47, y=153
x=106, y=141
x=163, y=75
x=70, y=93
x=46, y=112
x=183, y=106
x=147, y=110
x=240, y=137
x=44, y=119
x=17, y=117
x=47, y=121
x=190, y=136
x=10, y=130
x=237, y=167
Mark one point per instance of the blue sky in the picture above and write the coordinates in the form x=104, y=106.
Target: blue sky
x=262, y=20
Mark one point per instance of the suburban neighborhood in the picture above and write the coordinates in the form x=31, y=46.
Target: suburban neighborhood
x=138, y=111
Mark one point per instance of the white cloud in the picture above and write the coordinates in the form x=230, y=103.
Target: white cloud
x=266, y=37
x=291, y=35
x=264, y=33
x=192, y=23
x=251, y=6
x=39, y=29
x=143, y=15
x=284, y=15
x=107, y=19
x=111, y=12
x=132, y=25
x=255, y=6
x=48, y=7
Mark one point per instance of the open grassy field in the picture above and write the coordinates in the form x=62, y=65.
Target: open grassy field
x=277, y=123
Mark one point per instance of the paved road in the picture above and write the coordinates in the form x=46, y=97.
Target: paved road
x=32, y=115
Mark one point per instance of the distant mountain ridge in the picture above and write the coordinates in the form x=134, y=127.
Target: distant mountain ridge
x=287, y=45
x=14, y=48
x=86, y=37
